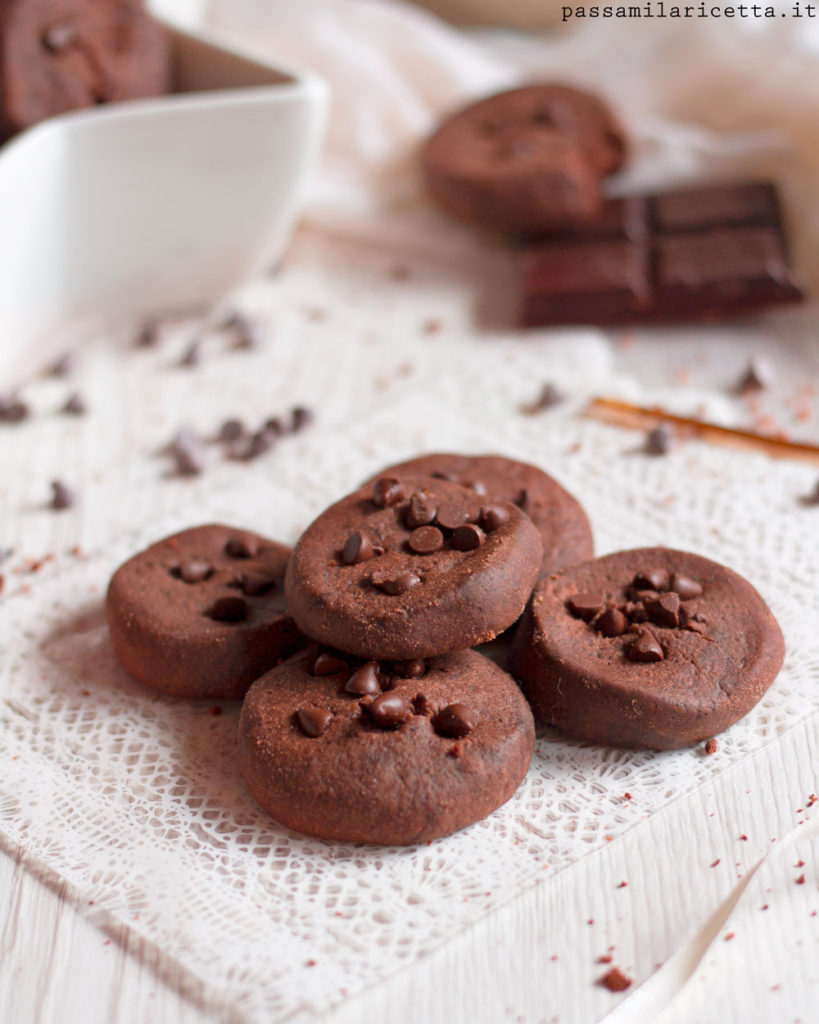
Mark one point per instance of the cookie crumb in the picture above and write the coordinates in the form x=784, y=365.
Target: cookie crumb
x=615, y=981
x=710, y=746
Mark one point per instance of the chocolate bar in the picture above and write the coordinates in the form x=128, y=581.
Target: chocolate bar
x=695, y=254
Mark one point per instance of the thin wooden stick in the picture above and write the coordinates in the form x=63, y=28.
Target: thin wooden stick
x=613, y=410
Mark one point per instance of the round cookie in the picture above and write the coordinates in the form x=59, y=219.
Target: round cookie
x=651, y=648
x=559, y=517
x=378, y=753
x=524, y=160
x=61, y=55
x=412, y=567
x=202, y=613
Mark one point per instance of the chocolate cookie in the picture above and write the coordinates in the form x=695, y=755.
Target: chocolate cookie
x=559, y=518
x=649, y=648
x=61, y=55
x=384, y=753
x=412, y=567
x=202, y=613
x=525, y=160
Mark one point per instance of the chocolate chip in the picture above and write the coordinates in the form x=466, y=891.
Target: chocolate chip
x=492, y=517
x=645, y=647
x=388, y=491
x=314, y=721
x=415, y=668
x=187, y=451
x=274, y=426
x=694, y=626
x=364, y=681
x=300, y=417
x=420, y=704
x=425, y=540
x=586, y=605
x=758, y=376
x=612, y=623
x=327, y=664
x=192, y=356
x=256, y=584
x=74, y=404
x=357, y=548
x=63, y=366
x=194, y=570
x=421, y=510
x=400, y=583
x=664, y=609
x=451, y=517
x=228, y=609
x=652, y=579
x=247, y=334
x=61, y=495
x=231, y=430
x=389, y=710
x=12, y=409
x=455, y=721
x=59, y=36
x=636, y=611
x=685, y=587
x=548, y=397
x=468, y=537
x=148, y=334
x=658, y=441
x=242, y=545
x=440, y=474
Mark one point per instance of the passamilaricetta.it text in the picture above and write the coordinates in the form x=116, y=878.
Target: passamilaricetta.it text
x=661, y=9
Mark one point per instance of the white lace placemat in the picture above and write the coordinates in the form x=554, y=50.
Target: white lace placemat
x=135, y=800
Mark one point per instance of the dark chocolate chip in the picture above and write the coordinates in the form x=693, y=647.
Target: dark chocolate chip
x=274, y=426
x=188, y=453
x=548, y=397
x=192, y=356
x=365, y=681
x=357, y=548
x=685, y=587
x=455, y=721
x=611, y=623
x=242, y=545
x=255, y=584
x=64, y=366
x=300, y=417
x=652, y=579
x=74, y=404
x=388, y=491
x=658, y=441
x=327, y=664
x=231, y=430
x=61, y=495
x=314, y=721
x=194, y=570
x=645, y=647
x=389, y=710
x=247, y=334
x=586, y=605
x=468, y=537
x=415, y=668
x=12, y=409
x=425, y=540
x=59, y=36
x=421, y=510
x=636, y=611
x=228, y=609
x=664, y=609
x=492, y=517
x=420, y=704
x=450, y=518
x=400, y=583
x=758, y=376
x=148, y=334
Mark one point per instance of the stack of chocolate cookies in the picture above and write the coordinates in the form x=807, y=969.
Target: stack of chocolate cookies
x=372, y=717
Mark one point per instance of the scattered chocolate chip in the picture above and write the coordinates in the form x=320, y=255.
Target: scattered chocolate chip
x=397, y=584
x=710, y=746
x=450, y=518
x=228, y=609
x=314, y=721
x=389, y=710
x=231, y=430
x=636, y=611
x=415, y=668
x=644, y=647
x=758, y=375
x=685, y=587
x=611, y=623
x=492, y=517
x=548, y=397
x=61, y=495
x=468, y=537
x=188, y=453
x=74, y=404
x=300, y=417
x=327, y=664
x=586, y=605
x=192, y=356
x=247, y=333
x=242, y=545
x=664, y=609
x=194, y=570
x=421, y=510
x=274, y=426
x=658, y=441
x=365, y=681
x=59, y=36
x=425, y=540
x=12, y=409
x=388, y=491
x=256, y=584
x=357, y=548
x=64, y=366
x=455, y=721
x=652, y=579
x=148, y=334
x=615, y=981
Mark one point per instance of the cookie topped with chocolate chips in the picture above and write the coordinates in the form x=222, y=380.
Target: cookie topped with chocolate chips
x=651, y=648
x=411, y=566
x=202, y=613
x=384, y=752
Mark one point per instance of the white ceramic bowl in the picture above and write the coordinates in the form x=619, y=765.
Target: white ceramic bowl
x=156, y=204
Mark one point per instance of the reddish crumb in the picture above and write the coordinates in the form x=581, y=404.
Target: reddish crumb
x=743, y=837
x=609, y=839
x=715, y=862
x=615, y=981
x=310, y=963
x=216, y=710
x=799, y=864
x=76, y=551
x=554, y=956
x=622, y=885
x=431, y=326
x=776, y=988
x=85, y=693
x=729, y=936
x=711, y=746
x=800, y=880
x=627, y=796
x=590, y=921
x=626, y=340
x=812, y=800
x=2, y=582
x=606, y=958
x=764, y=906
